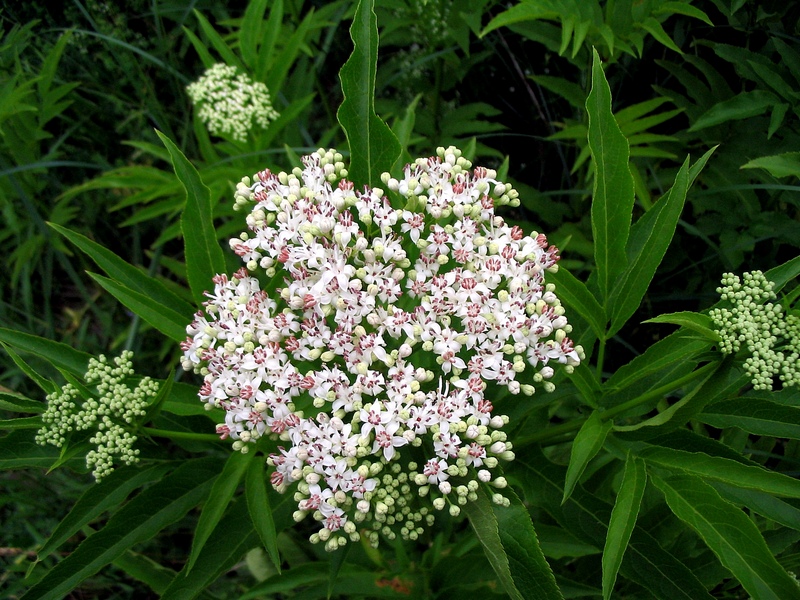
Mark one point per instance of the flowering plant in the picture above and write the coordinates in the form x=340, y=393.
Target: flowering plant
x=381, y=366
x=376, y=296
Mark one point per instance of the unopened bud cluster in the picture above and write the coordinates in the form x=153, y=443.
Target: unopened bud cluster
x=754, y=322
x=230, y=103
x=111, y=411
x=377, y=362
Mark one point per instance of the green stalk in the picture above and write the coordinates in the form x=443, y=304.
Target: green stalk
x=180, y=435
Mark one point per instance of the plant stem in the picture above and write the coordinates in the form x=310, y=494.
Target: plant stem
x=180, y=435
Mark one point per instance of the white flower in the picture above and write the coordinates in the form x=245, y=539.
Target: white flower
x=230, y=103
x=374, y=291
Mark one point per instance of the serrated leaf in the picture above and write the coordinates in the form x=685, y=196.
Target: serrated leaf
x=99, y=498
x=700, y=323
x=586, y=516
x=13, y=402
x=126, y=274
x=226, y=546
x=220, y=497
x=587, y=444
x=623, y=519
x=612, y=198
x=510, y=543
x=722, y=469
x=778, y=165
x=167, y=321
x=577, y=296
x=730, y=534
x=203, y=255
x=60, y=355
x=260, y=511
x=654, y=28
x=21, y=423
x=765, y=505
x=140, y=519
x=373, y=146
x=759, y=417
x=649, y=239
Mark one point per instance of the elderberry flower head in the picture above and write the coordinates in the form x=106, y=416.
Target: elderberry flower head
x=398, y=320
x=110, y=411
x=751, y=320
x=230, y=103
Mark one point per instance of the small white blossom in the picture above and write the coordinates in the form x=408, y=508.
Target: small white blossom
x=230, y=103
x=376, y=289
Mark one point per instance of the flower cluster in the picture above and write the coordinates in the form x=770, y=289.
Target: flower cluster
x=754, y=322
x=110, y=411
x=229, y=102
x=397, y=325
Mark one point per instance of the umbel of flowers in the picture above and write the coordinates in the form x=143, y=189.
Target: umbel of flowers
x=751, y=320
x=399, y=319
x=230, y=103
x=111, y=411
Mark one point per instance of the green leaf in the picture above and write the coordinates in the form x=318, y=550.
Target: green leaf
x=674, y=349
x=741, y=106
x=19, y=450
x=182, y=400
x=13, y=402
x=778, y=165
x=167, y=321
x=288, y=55
x=271, y=35
x=766, y=505
x=140, y=519
x=228, y=56
x=577, y=297
x=146, y=570
x=623, y=520
x=654, y=28
x=221, y=493
x=249, y=32
x=681, y=8
x=260, y=510
x=702, y=324
x=525, y=11
x=759, y=417
x=782, y=274
x=128, y=275
x=373, y=146
x=99, y=498
x=204, y=257
x=226, y=546
x=612, y=200
x=510, y=543
x=21, y=423
x=47, y=386
x=649, y=239
x=730, y=534
x=60, y=355
x=722, y=469
x=586, y=445
x=586, y=516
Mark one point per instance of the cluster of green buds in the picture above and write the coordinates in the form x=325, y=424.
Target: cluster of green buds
x=753, y=321
x=230, y=103
x=111, y=411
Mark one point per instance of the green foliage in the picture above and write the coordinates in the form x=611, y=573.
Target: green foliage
x=655, y=469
